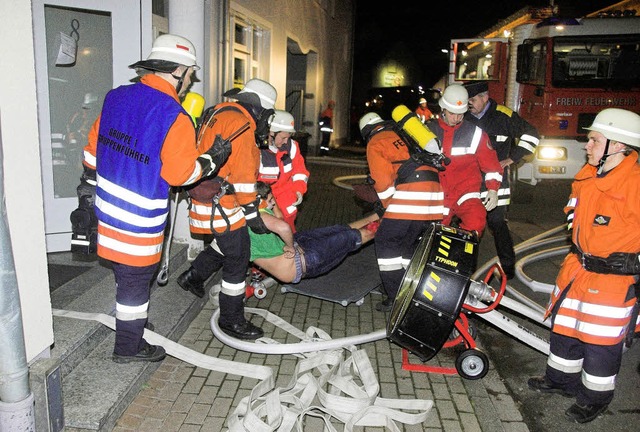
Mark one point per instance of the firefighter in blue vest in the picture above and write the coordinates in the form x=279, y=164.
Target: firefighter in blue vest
x=142, y=143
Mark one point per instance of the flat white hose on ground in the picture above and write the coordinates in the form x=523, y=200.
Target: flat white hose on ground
x=309, y=342
x=326, y=384
x=535, y=314
x=534, y=257
x=178, y=351
x=342, y=182
x=516, y=330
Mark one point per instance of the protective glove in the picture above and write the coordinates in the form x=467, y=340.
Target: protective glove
x=379, y=208
x=491, y=200
x=624, y=263
x=298, y=199
x=254, y=221
x=215, y=157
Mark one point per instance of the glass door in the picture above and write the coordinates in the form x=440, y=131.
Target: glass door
x=82, y=50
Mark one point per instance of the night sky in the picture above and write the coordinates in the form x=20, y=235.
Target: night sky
x=423, y=28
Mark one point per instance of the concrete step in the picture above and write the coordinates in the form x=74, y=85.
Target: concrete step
x=95, y=390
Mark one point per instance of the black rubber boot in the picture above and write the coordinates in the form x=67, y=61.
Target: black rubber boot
x=584, y=413
x=191, y=281
x=232, y=320
x=542, y=385
x=148, y=353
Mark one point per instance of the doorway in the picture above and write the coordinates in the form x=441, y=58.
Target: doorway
x=300, y=94
x=82, y=50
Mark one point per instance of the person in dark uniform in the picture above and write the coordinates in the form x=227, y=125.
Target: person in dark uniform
x=513, y=138
x=326, y=127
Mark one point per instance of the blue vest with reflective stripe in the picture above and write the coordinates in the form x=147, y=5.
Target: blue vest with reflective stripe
x=131, y=194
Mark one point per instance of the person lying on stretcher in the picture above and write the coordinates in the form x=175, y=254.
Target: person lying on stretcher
x=289, y=256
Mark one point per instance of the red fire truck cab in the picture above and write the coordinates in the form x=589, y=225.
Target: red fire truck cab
x=557, y=77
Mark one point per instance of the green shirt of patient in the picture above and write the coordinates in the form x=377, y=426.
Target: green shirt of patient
x=265, y=245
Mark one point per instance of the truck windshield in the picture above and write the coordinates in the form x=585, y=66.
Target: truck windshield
x=476, y=60
x=605, y=62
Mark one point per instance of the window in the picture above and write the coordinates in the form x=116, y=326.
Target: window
x=603, y=61
x=532, y=62
x=250, y=42
x=477, y=60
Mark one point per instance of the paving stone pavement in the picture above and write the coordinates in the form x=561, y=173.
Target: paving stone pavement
x=183, y=397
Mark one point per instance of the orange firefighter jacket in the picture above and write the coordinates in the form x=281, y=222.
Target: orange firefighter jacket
x=606, y=219
x=419, y=200
x=240, y=170
x=178, y=155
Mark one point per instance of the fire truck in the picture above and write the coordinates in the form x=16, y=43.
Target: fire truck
x=557, y=74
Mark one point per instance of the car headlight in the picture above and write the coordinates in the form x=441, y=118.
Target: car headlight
x=552, y=153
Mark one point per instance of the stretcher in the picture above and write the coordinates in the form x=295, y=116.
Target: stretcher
x=350, y=282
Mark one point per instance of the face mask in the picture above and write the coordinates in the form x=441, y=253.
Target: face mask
x=263, y=124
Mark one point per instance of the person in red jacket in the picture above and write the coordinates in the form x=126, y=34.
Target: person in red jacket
x=594, y=306
x=282, y=167
x=423, y=112
x=142, y=143
x=410, y=199
x=472, y=161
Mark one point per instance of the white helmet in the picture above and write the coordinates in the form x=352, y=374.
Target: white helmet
x=282, y=122
x=90, y=99
x=266, y=93
x=369, y=119
x=422, y=100
x=168, y=50
x=455, y=99
x=618, y=125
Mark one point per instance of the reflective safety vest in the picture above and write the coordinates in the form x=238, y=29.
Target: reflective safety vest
x=284, y=169
x=132, y=199
x=472, y=161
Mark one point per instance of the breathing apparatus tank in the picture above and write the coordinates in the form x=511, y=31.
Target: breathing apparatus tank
x=193, y=104
x=418, y=131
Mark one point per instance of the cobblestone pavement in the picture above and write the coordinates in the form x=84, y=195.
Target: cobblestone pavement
x=183, y=397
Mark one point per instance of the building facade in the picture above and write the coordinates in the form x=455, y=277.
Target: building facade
x=68, y=54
